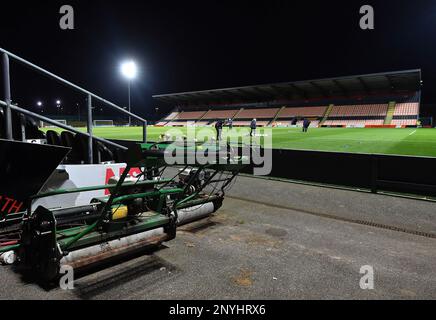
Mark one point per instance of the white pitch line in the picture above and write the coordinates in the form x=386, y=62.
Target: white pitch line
x=412, y=133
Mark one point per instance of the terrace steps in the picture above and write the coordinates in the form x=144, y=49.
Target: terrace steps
x=178, y=116
x=276, y=116
x=390, y=114
x=204, y=115
x=237, y=113
x=326, y=114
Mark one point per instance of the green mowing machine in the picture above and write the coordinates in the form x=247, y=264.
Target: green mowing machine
x=135, y=214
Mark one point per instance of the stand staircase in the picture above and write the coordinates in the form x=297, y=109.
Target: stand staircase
x=390, y=114
x=326, y=114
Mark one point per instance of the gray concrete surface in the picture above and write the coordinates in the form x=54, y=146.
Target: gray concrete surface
x=252, y=250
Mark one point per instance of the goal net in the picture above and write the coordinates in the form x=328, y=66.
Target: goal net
x=49, y=125
x=103, y=123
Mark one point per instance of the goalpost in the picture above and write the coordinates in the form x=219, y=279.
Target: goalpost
x=104, y=123
x=49, y=125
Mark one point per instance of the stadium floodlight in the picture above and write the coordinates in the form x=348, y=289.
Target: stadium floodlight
x=39, y=104
x=129, y=70
x=58, y=106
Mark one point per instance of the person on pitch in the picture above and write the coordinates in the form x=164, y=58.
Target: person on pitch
x=306, y=125
x=253, y=127
x=219, y=129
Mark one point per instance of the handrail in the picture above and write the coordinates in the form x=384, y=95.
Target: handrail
x=8, y=105
x=52, y=75
x=60, y=125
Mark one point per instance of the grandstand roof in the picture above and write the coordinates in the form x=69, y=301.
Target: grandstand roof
x=389, y=82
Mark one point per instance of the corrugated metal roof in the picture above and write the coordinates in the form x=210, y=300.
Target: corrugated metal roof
x=389, y=82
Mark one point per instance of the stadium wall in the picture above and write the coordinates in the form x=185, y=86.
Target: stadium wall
x=376, y=173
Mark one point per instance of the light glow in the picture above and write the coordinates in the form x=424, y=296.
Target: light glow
x=129, y=70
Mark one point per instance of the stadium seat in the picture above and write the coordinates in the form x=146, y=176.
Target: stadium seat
x=102, y=153
x=32, y=129
x=195, y=115
x=171, y=116
x=367, y=110
x=30, y=125
x=258, y=113
x=67, y=139
x=53, y=138
x=302, y=112
x=357, y=115
x=405, y=122
x=79, y=152
x=221, y=114
x=407, y=109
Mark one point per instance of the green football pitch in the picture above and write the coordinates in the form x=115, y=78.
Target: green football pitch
x=417, y=142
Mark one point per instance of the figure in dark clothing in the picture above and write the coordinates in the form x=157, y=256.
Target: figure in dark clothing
x=230, y=123
x=219, y=129
x=253, y=127
x=306, y=125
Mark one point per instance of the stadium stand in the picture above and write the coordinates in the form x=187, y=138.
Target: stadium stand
x=257, y=113
x=265, y=115
x=289, y=114
x=354, y=122
x=407, y=109
x=247, y=123
x=190, y=115
x=167, y=119
x=302, y=112
x=179, y=123
x=383, y=99
x=368, y=110
x=221, y=114
x=405, y=122
x=357, y=115
x=406, y=114
x=203, y=123
x=172, y=116
x=313, y=124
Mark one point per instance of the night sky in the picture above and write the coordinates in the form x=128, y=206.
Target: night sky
x=198, y=45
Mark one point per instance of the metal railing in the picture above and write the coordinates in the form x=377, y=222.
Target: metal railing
x=7, y=104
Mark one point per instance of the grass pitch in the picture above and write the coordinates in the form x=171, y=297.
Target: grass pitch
x=416, y=142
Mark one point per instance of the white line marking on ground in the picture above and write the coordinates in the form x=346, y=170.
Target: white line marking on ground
x=412, y=133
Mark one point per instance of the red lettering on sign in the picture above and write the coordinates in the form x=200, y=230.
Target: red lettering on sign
x=134, y=172
x=10, y=205
x=16, y=206
x=8, y=201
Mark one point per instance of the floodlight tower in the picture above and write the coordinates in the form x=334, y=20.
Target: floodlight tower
x=39, y=104
x=129, y=70
x=58, y=106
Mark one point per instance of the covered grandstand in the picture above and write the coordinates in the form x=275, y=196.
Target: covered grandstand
x=375, y=100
